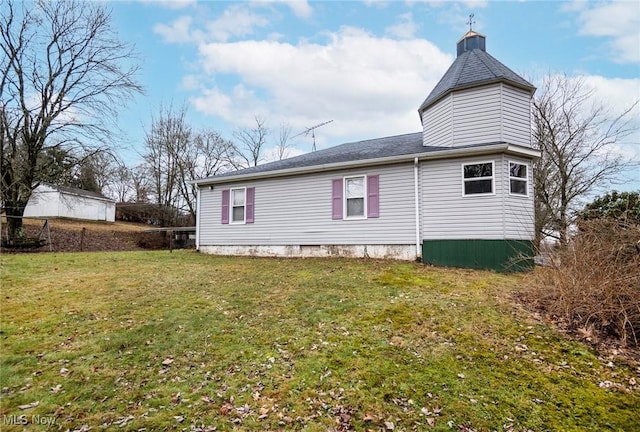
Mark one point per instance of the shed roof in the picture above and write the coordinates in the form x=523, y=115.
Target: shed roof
x=79, y=192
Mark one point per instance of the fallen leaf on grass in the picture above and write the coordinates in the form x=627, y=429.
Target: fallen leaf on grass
x=368, y=418
x=29, y=406
x=56, y=389
x=431, y=421
x=226, y=408
x=167, y=361
x=123, y=421
x=389, y=425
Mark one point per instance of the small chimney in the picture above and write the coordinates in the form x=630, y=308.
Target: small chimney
x=471, y=41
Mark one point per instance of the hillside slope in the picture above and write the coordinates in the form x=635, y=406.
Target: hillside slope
x=78, y=236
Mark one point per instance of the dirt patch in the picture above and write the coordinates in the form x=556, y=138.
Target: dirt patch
x=82, y=236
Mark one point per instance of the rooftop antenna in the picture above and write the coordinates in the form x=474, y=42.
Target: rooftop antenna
x=312, y=131
x=471, y=22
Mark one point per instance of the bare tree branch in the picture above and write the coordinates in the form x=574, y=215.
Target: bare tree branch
x=575, y=135
x=64, y=77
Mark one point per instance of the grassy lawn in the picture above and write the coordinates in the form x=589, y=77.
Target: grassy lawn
x=183, y=341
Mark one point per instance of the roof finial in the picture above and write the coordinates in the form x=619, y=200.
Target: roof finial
x=471, y=22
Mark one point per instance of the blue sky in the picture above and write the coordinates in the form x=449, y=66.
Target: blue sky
x=366, y=65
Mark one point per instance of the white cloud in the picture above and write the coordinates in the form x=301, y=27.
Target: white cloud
x=178, y=31
x=369, y=86
x=406, y=27
x=618, y=95
x=236, y=20
x=300, y=8
x=172, y=4
x=619, y=22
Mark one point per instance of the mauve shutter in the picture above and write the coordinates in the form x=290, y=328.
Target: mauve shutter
x=225, y=206
x=373, y=192
x=251, y=196
x=336, y=199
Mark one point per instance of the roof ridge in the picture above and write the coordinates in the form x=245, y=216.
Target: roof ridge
x=464, y=58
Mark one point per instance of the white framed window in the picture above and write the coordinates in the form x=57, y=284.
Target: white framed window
x=518, y=179
x=237, y=209
x=478, y=178
x=355, y=192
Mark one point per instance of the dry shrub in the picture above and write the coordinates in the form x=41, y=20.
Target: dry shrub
x=594, y=281
x=153, y=240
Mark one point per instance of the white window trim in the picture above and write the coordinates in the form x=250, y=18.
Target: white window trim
x=525, y=179
x=244, y=215
x=493, y=178
x=344, y=197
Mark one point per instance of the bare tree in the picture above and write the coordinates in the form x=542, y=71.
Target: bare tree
x=282, y=146
x=166, y=146
x=576, y=136
x=175, y=155
x=249, y=149
x=64, y=75
x=206, y=155
x=140, y=184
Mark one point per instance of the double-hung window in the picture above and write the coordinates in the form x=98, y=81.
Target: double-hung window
x=477, y=178
x=238, y=205
x=356, y=197
x=354, y=189
x=518, y=180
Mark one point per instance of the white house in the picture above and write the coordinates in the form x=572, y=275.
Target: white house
x=67, y=202
x=459, y=193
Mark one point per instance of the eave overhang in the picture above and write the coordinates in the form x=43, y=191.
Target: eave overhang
x=448, y=153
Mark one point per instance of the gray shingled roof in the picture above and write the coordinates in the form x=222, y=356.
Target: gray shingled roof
x=359, y=151
x=355, y=151
x=80, y=192
x=471, y=68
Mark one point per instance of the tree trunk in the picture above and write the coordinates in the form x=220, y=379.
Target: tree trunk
x=14, y=224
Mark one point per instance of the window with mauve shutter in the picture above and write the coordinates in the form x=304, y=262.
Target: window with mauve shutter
x=351, y=197
x=336, y=199
x=224, y=208
x=250, y=203
x=373, y=195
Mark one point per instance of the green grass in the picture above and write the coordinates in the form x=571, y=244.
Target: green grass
x=299, y=344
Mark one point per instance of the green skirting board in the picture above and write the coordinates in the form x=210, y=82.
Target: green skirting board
x=499, y=255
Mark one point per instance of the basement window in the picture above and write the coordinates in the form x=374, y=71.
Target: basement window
x=477, y=178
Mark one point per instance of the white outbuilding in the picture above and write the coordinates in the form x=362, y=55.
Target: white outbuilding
x=66, y=202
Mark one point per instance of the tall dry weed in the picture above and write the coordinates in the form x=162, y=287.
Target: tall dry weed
x=593, y=282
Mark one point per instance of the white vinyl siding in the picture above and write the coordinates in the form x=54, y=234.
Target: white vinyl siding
x=437, y=125
x=518, y=209
x=448, y=215
x=516, y=119
x=297, y=210
x=476, y=116
x=445, y=214
x=488, y=114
